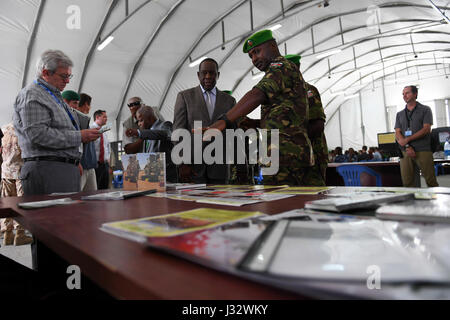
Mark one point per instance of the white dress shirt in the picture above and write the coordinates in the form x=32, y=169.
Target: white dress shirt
x=213, y=95
x=97, y=143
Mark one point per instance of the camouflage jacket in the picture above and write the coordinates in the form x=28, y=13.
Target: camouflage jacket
x=11, y=154
x=287, y=110
x=316, y=111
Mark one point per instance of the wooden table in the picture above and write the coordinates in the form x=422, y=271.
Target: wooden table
x=128, y=270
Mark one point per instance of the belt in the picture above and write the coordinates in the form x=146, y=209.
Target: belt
x=52, y=158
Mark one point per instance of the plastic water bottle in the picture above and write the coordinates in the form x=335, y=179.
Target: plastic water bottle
x=447, y=150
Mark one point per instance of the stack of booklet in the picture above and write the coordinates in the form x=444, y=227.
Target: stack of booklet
x=118, y=195
x=324, y=255
x=182, y=186
x=436, y=210
x=352, y=201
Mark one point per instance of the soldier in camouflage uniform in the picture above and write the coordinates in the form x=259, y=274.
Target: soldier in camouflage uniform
x=132, y=170
x=11, y=185
x=283, y=96
x=315, y=176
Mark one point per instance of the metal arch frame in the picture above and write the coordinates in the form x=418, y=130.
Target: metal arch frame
x=374, y=63
x=237, y=83
x=94, y=44
x=372, y=51
x=126, y=19
x=391, y=57
x=292, y=7
x=371, y=73
x=141, y=56
x=31, y=42
x=371, y=38
x=205, y=32
x=192, y=48
x=243, y=36
x=380, y=77
x=386, y=5
x=338, y=109
x=350, y=44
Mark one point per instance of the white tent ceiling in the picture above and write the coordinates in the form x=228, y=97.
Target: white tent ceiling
x=155, y=41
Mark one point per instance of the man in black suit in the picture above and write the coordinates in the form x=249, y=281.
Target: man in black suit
x=204, y=103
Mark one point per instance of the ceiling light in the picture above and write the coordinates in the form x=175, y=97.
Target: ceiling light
x=327, y=54
x=196, y=62
x=275, y=27
x=352, y=96
x=105, y=43
x=258, y=76
x=337, y=93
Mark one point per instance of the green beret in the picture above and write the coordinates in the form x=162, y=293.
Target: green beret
x=257, y=39
x=228, y=92
x=295, y=58
x=70, y=95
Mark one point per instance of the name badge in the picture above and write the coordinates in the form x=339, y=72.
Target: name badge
x=408, y=133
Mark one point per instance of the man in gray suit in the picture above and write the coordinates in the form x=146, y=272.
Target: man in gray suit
x=203, y=103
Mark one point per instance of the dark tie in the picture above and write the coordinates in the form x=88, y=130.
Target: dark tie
x=101, y=157
x=209, y=103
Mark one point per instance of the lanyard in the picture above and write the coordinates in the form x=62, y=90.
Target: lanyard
x=409, y=117
x=146, y=146
x=59, y=102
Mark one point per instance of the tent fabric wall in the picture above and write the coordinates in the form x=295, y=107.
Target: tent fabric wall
x=153, y=46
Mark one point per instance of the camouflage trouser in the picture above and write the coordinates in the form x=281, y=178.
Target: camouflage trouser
x=10, y=188
x=292, y=176
x=315, y=176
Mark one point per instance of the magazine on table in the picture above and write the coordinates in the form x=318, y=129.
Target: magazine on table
x=351, y=201
x=344, y=249
x=436, y=210
x=118, y=195
x=169, y=225
x=181, y=186
x=47, y=203
x=228, y=197
x=323, y=255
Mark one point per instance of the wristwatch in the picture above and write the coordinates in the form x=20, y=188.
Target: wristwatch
x=228, y=123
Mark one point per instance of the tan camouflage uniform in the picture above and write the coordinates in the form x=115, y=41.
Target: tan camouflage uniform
x=287, y=110
x=12, y=162
x=316, y=176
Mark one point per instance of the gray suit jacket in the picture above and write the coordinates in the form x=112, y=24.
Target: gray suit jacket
x=191, y=106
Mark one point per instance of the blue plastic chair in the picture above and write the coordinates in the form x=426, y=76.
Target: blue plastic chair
x=352, y=175
x=438, y=169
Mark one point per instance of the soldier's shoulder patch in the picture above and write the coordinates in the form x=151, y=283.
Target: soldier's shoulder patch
x=310, y=94
x=276, y=65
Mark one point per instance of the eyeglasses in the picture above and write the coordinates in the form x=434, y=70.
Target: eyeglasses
x=65, y=76
x=136, y=103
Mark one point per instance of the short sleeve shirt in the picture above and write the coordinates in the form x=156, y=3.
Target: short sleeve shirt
x=418, y=117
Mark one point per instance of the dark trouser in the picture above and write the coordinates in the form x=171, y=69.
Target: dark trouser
x=45, y=177
x=102, y=174
x=50, y=280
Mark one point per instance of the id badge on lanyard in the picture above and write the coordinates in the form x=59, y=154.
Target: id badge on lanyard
x=408, y=132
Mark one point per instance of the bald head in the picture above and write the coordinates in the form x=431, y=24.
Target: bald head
x=146, y=117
